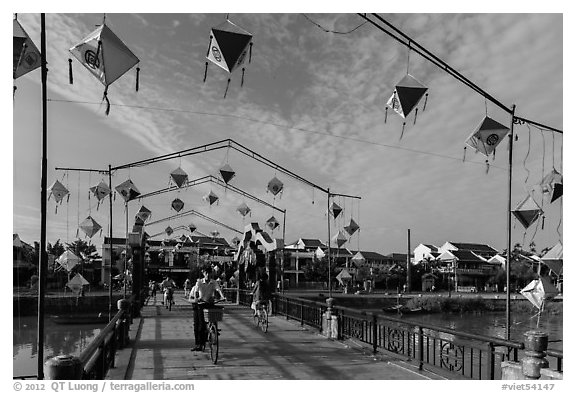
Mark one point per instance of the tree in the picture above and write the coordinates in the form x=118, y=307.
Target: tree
x=57, y=249
x=82, y=249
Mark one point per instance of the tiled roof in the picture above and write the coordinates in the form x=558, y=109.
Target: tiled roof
x=474, y=247
x=432, y=248
x=369, y=254
x=466, y=256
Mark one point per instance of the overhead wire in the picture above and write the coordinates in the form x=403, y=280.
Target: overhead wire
x=326, y=30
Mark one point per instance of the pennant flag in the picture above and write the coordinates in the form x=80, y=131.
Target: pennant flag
x=352, y=227
x=527, y=211
x=26, y=56
x=128, y=190
x=275, y=186
x=177, y=205
x=179, y=177
x=227, y=173
x=487, y=136
x=90, y=226
x=409, y=91
x=552, y=184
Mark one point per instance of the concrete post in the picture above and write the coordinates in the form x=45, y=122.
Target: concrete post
x=535, y=344
x=63, y=367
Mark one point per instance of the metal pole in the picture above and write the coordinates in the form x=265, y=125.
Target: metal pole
x=43, y=262
x=283, y=253
x=509, y=223
x=408, y=267
x=111, y=249
x=125, y=275
x=329, y=252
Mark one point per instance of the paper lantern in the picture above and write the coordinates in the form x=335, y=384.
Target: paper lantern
x=409, y=91
x=272, y=223
x=275, y=186
x=243, y=209
x=211, y=198
x=179, y=177
x=487, y=135
x=128, y=190
x=90, y=226
x=144, y=213
x=26, y=56
x=352, y=227
x=177, y=205
x=527, y=211
x=227, y=173
x=552, y=185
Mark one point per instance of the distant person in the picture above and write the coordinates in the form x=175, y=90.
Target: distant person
x=203, y=295
x=187, y=287
x=168, y=285
x=261, y=293
x=153, y=287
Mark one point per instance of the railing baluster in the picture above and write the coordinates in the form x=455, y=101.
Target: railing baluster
x=420, y=349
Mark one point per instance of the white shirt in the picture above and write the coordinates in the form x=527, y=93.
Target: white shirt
x=205, y=290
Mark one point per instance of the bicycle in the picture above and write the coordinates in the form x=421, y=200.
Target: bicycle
x=261, y=315
x=169, y=298
x=212, y=316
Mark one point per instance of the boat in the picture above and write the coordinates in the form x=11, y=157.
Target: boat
x=401, y=309
x=79, y=319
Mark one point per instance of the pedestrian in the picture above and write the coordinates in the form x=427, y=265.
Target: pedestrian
x=187, y=287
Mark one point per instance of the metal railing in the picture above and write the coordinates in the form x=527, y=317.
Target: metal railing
x=455, y=354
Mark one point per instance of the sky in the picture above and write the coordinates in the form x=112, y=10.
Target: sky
x=312, y=102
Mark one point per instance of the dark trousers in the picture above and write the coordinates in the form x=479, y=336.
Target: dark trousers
x=200, y=323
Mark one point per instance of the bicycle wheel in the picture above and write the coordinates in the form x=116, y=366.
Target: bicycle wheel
x=264, y=320
x=256, y=318
x=213, y=342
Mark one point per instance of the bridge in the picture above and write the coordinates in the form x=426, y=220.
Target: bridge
x=160, y=342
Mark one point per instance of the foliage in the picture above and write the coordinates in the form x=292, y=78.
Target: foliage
x=57, y=249
x=82, y=249
x=318, y=270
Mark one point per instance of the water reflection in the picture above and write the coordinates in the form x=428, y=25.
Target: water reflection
x=59, y=340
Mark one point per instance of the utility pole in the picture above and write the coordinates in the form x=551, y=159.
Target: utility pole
x=408, y=267
x=509, y=222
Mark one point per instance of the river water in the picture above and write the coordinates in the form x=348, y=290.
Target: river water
x=72, y=339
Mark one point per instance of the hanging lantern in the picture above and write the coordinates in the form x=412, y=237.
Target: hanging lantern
x=128, y=190
x=335, y=209
x=359, y=259
x=243, y=209
x=487, y=135
x=100, y=190
x=272, y=223
x=552, y=184
x=26, y=56
x=229, y=45
x=215, y=233
x=409, y=91
x=275, y=186
x=169, y=231
x=90, y=226
x=339, y=239
x=235, y=241
x=105, y=56
x=211, y=198
x=58, y=190
x=144, y=213
x=192, y=227
x=179, y=177
x=527, y=211
x=227, y=173
x=68, y=260
x=352, y=227
x=177, y=205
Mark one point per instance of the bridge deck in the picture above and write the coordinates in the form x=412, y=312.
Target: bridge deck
x=161, y=342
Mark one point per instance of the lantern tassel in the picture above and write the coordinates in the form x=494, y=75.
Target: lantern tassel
x=415, y=115
x=242, y=82
x=403, y=127
x=76, y=232
x=107, y=101
x=250, y=54
x=464, y=158
x=543, y=217
x=425, y=101
x=487, y=166
x=227, y=85
x=70, y=76
x=137, y=78
x=385, y=115
x=205, y=72
x=14, y=92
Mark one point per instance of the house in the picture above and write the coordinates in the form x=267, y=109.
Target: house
x=483, y=250
x=425, y=252
x=298, y=254
x=22, y=264
x=468, y=270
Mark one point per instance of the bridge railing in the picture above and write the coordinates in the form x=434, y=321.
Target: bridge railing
x=446, y=351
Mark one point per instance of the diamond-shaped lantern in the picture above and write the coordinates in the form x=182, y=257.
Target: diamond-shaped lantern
x=68, y=260
x=128, y=190
x=215, y=233
x=552, y=184
x=339, y=239
x=359, y=258
x=272, y=223
x=243, y=209
x=169, y=231
x=192, y=227
x=211, y=198
x=144, y=213
x=335, y=210
x=179, y=177
x=76, y=283
x=105, y=56
x=229, y=46
x=409, y=91
x=236, y=241
x=275, y=186
x=227, y=173
x=352, y=227
x=487, y=135
x=90, y=226
x=177, y=205
x=58, y=190
x=26, y=54
x=100, y=190
x=527, y=211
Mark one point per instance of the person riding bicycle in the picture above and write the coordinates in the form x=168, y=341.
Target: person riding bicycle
x=202, y=296
x=168, y=286
x=261, y=293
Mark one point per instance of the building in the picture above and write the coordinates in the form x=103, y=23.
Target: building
x=22, y=264
x=425, y=253
x=468, y=271
x=297, y=255
x=483, y=250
